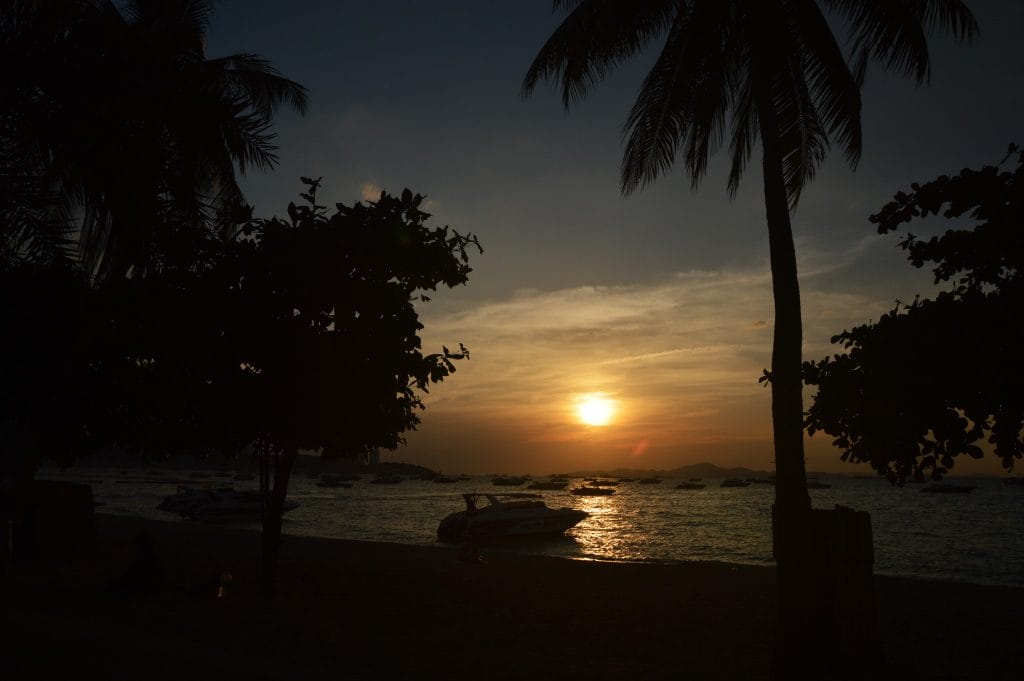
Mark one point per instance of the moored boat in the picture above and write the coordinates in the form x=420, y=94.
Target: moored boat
x=505, y=516
x=221, y=503
x=509, y=480
x=690, y=485
x=547, y=484
x=590, y=491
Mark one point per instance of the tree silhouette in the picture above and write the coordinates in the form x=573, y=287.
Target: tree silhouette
x=311, y=338
x=298, y=334
x=930, y=380
x=115, y=116
x=758, y=70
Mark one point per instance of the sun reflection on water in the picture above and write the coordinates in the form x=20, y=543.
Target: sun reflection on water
x=610, y=532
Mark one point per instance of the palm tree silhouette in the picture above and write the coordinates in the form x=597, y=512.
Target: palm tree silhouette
x=122, y=115
x=755, y=69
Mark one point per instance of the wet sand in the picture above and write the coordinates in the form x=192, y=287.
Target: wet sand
x=367, y=610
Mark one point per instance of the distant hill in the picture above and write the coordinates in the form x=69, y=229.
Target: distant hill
x=697, y=470
x=306, y=463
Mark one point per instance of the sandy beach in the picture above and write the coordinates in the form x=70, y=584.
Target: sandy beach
x=366, y=610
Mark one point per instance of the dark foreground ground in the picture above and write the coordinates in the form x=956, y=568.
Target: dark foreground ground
x=385, y=611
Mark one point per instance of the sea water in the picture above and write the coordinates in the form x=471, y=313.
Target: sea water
x=975, y=537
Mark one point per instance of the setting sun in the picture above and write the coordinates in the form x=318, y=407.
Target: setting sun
x=595, y=410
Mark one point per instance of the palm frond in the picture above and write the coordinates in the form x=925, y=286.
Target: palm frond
x=683, y=100
x=744, y=134
x=181, y=22
x=895, y=31
x=833, y=88
x=802, y=136
x=250, y=141
x=251, y=77
x=595, y=37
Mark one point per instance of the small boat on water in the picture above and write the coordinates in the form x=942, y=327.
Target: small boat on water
x=505, y=516
x=690, y=485
x=548, y=484
x=650, y=481
x=816, y=484
x=590, y=491
x=947, y=488
x=735, y=482
x=509, y=480
x=220, y=503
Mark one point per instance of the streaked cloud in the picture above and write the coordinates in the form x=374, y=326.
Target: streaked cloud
x=681, y=357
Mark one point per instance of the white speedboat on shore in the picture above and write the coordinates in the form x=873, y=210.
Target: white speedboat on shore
x=220, y=503
x=504, y=516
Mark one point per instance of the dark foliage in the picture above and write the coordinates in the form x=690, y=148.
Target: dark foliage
x=117, y=127
x=939, y=378
x=300, y=333
x=319, y=322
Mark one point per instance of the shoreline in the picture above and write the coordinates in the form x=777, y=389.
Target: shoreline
x=358, y=609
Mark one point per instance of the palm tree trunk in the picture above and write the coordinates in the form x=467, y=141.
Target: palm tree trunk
x=791, y=512
x=273, y=510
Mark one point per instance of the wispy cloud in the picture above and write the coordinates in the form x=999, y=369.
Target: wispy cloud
x=370, y=191
x=681, y=357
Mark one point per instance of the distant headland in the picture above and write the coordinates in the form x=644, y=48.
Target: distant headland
x=313, y=464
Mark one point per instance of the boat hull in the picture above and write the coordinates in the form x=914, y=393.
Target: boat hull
x=504, y=522
x=221, y=504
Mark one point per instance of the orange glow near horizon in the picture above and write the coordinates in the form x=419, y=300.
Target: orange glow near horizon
x=595, y=409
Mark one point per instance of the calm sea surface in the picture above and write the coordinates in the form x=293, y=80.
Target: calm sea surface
x=976, y=537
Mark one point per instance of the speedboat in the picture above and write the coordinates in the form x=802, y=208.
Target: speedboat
x=504, y=516
x=221, y=503
x=509, y=480
x=548, y=484
x=591, y=491
x=734, y=482
x=690, y=485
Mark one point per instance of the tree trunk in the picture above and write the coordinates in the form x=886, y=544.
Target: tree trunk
x=791, y=513
x=280, y=465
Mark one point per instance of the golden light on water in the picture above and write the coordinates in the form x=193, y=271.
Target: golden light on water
x=595, y=409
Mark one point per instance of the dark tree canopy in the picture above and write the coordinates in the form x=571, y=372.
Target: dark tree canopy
x=116, y=126
x=939, y=378
x=301, y=333
x=321, y=318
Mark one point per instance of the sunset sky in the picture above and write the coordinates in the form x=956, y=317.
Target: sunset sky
x=659, y=302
